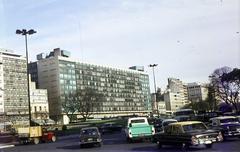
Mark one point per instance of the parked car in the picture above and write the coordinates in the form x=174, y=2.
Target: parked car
x=90, y=136
x=110, y=128
x=185, y=115
x=228, y=125
x=166, y=122
x=188, y=133
x=138, y=128
x=157, y=123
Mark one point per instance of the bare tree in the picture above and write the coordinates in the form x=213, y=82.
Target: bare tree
x=69, y=106
x=89, y=101
x=227, y=85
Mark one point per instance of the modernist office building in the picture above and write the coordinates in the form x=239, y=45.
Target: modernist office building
x=13, y=88
x=125, y=91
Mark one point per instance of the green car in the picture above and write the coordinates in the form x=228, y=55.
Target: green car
x=138, y=128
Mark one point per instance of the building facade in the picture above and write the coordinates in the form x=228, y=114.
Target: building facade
x=13, y=88
x=197, y=92
x=125, y=91
x=39, y=103
x=176, y=95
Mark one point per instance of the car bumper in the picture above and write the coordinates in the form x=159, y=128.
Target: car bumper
x=232, y=134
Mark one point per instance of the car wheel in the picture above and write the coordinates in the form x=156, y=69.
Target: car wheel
x=129, y=140
x=36, y=141
x=209, y=145
x=99, y=144
x=159, y=145
x=185, y=146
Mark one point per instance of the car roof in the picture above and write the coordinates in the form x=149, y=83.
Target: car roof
x=169, y=120
x=180, y=110
x=223, y=117
x=136, y=118
x=185, y=123
x=87, y=128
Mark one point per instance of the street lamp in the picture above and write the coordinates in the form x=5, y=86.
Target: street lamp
x=25, y=33
x=155, y=90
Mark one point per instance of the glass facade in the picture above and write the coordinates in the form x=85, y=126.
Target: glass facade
x=124, y=90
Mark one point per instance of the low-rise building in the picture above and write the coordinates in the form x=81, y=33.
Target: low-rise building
x=39, y=103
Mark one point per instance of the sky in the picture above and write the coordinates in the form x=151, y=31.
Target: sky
x=188, y=39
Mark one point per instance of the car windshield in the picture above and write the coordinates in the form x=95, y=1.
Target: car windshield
x=193, y=127
x=180, y=113
x=168, y=122
x=228, y=120
x=89, y=132
x=138, y=121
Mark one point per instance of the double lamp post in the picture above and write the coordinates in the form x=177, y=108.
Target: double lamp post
x=25, y=32
x=155, y=89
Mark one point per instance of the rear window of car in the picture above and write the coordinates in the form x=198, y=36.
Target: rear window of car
x=229, y=120
x=89, y=132
x=193, y=127
x=138, y=121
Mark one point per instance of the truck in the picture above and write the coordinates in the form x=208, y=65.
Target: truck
x=35, y=134
x=139, y=128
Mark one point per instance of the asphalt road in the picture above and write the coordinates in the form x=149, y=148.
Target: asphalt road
x=116, y=142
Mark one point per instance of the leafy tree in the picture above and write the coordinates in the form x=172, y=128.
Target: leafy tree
x=197, y=106
x=211, y=100
x=226, y=83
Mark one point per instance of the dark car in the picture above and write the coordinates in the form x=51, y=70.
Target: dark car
x=157, y=123
x=228, y=125
x=188, y=133
x=90, y=136
x=110, y=128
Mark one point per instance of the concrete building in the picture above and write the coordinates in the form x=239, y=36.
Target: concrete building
x=126, y=91
x=175, y=96
x=197, y=92
x=13, y=88
x=39, y=103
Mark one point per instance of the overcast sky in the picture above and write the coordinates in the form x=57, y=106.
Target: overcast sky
x=188, y=39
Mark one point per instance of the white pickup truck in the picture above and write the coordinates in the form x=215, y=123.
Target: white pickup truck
x=138, y=128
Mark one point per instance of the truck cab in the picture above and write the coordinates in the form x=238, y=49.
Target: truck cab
x=138, y=128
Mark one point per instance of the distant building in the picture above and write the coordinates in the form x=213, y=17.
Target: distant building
x=13, y=88
x=175, y=96
x=197, y=91
x=39, y=103
x=126, y=91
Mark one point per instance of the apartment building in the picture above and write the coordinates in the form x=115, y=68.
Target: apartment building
x=13, y=88
x=197, y=91
x=176, y=95
x=126, y=91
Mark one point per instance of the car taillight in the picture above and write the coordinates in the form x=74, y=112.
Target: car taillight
x=194, y=140
x=220, y=137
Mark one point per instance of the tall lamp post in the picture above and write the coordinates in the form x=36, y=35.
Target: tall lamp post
x=155, y=90
x=25, y=32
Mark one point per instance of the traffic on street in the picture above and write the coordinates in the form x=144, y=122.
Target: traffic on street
x=216, y=134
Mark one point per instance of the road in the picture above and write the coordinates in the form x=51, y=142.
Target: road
x=116, y=143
